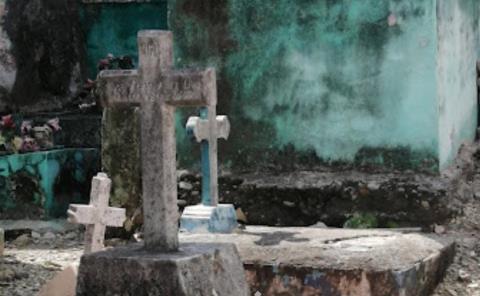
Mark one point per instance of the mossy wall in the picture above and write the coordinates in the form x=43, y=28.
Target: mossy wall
x=340, y=80
x=308, y=82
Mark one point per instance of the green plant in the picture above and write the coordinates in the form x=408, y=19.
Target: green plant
x=361, y=221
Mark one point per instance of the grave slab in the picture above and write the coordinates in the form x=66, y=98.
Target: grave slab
x=310, y=261
x=196, y=269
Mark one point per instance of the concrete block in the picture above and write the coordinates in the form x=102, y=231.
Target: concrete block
x=313, y=261
x=196, y=269
x=203, y=219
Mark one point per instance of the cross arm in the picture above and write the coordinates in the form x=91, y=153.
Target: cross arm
x=117, y=87
x=114, y=217
x=87, y=214
x=200, y=128
x=82, y=214
x=191, y=87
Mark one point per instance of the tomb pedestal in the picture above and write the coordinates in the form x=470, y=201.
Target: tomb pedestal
x=202, y=219
x=196, y=269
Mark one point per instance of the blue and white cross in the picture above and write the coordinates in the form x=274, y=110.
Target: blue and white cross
x=206, y=129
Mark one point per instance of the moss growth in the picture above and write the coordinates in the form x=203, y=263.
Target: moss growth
x=362, y=221
x=121, y=156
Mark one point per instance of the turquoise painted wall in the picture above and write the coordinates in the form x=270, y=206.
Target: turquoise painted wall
x=306, y=82
x=43, y=184
x=112, y=28
x=330, y=80
x=457, y=53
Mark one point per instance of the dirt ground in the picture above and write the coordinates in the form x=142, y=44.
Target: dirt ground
x=463, y=276
x=32, y=258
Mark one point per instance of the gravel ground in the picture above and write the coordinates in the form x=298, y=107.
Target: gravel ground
x=33, y=258
x=463, y=276
x=29, y=262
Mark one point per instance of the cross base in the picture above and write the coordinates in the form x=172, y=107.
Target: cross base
x=202, y=219
x=196, y=269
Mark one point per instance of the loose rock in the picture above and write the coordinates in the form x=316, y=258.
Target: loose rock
x=22, y=241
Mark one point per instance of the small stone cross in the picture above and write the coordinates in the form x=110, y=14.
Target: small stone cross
x=158, y=90
x=97, y=215
x=207, y=129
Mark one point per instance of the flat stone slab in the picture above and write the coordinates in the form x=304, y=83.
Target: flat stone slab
x=312, y=261
x=197, y=269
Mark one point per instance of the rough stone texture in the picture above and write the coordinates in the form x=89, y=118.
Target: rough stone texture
x=158, y=89
x=121, y=158
x=332, y=197
x=97, y=215
x=79, y=130
x=346, y=72
x=309, y=261
x=197, y=269
x=48, y=50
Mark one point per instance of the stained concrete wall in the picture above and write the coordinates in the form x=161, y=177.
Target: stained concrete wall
x=341, y=80
x=318, y=81
x=457, y=53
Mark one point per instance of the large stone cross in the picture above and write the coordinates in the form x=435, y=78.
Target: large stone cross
x=97, y=215
x=206, y=129
x=158, y=90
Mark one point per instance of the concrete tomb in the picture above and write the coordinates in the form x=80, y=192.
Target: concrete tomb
x=209, y=216
x=161, y=266
x=97, y=215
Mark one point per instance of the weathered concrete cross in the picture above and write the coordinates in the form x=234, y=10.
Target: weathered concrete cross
x=158, y=89
x=97, y=215
x=209, y=216
x=207, y=129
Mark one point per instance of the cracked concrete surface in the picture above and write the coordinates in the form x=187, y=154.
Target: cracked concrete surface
x=310, y=261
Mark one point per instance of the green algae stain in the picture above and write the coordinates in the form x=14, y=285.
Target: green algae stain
x=327, y=76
